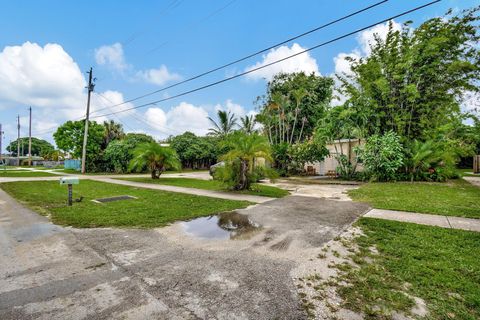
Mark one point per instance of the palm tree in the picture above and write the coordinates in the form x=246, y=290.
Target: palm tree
x=113, y=131
x=298, y=95
x=423, y=156
x=245, y=148
x=155, y=157
x=226, y=123
x=248, y=124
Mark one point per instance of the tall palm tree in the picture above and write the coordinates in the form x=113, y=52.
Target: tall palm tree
x=298, y=95
x=247, y=124
x=113, y=131
x=155, y=157
x=226, y=123
x=245, y=148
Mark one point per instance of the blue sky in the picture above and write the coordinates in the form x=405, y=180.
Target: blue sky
x=137, y=47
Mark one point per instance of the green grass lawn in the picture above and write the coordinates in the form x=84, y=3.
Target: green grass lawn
x=23, y=173
x=257, y=189
x=72, y=171
x=438, y=265
x=153, y=208
x=468, y=173
x=455, y=198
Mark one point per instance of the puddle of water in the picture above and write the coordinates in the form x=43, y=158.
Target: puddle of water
x=226, y=225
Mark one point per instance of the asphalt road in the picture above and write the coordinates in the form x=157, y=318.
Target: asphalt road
x=51, y=272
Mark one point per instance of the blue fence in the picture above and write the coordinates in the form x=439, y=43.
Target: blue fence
x=73, y=164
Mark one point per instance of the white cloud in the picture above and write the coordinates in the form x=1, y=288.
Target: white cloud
x=40, y=76
x=156, y=118
x=303, y=62
x=158, y=76
x=111, y=56
x=181, y=118
x=471, y=102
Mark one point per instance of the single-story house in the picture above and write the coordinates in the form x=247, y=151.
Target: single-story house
x=330, y=163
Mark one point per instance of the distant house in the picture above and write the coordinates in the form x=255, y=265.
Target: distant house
x=330, y=164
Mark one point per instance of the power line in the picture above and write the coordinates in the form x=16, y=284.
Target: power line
x=248, y=56
x=274, y=62
x=140, y=120
x=116, y=117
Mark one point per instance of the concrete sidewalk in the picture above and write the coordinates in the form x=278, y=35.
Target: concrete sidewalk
x=426, y=219
x=197, y=192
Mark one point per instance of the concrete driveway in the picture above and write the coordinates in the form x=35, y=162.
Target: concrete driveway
x=51, y=272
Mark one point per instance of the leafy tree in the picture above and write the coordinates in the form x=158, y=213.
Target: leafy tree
x=225, y=125
x=413, y=81
x=118, y=153
x=155, y=157
x=194, y=151
x=308, y=151
x=382, y=156
x=69, y=139
x=339, y=124
x=40, y=147
x=247, y=124
x=293, y=105
x=113, y=131
x=54, y=155
x=240, y=160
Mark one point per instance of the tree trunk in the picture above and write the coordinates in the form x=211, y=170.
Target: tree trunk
x=243, y=183
x=154, y=174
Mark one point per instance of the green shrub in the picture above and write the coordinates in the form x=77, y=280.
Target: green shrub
x=382, y=156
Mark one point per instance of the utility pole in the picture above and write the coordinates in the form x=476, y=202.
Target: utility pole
x=30, y=139
x=1, y=138
x=18, y=140
x=87, y=115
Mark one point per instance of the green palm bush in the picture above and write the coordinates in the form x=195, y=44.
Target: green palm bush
x=239, y=170
x=155, y=157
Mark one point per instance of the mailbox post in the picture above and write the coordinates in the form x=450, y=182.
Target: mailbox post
x=69, y=181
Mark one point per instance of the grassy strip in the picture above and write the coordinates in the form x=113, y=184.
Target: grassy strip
x=438, y=265
x=456, y=198
x=24, y=173
x=257, y=189
x=153, y=208
x=72, y=171
x=468, y=173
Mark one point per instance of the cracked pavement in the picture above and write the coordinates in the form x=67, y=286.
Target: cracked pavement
x=54, y=272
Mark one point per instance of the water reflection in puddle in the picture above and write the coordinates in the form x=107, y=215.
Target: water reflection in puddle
x=226, y=225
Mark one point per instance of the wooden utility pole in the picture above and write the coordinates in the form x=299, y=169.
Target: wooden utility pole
x=87, y=115
x=1, y=138
x=18, y=140
x=30, y=139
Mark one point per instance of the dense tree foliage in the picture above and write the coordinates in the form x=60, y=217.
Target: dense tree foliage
x=69, y=137
x=195, y=152
x=40, y=147
x=118, y=153
x=293, y=105
x=113, y=131
x=413, y=81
